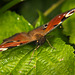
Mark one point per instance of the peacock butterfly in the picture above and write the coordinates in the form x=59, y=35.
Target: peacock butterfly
x=37, y=34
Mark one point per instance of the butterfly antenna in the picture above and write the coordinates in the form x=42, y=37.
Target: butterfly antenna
x=50, y=44
x=33, y=53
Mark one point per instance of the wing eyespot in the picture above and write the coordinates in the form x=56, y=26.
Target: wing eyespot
x=45, y=26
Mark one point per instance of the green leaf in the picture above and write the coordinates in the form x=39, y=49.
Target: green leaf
x=11, y=23
x=29, y=8
x=41, y=20
x=55, y=62
x=69, y=24
x=9, y=5
x=45, y=61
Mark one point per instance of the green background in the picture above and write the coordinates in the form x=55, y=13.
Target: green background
x=22, y=16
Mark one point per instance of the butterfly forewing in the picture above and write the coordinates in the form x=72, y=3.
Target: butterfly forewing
x=56, y=21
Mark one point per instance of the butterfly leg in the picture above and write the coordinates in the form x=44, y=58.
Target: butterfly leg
x=33, y=53
x=39, y=42
x=50, y=44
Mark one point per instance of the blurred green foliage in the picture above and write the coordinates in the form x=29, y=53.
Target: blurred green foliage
x=46, y=60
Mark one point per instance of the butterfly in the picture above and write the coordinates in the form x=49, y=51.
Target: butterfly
x=37, y=34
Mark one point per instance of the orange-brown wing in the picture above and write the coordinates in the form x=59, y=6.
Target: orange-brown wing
x=16, y=40
x=56, y=21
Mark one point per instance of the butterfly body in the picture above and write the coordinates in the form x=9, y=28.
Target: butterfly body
x=37, y=34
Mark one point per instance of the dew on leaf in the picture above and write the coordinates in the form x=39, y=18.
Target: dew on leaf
x=18, y=18
x=61, y=59
x=20, y=71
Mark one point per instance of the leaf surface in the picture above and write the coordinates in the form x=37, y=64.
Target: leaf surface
x=45, y=61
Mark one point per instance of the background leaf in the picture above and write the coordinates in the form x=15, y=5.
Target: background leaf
x=41, y=20
x=29, y=8
x=11, y=23
x=69, y=24
x=54, y=62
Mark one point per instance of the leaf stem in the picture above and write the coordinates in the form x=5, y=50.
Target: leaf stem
x=47, y=12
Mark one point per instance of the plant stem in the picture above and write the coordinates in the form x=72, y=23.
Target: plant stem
x=48, y=11
x=9, y=5
x=52, y=7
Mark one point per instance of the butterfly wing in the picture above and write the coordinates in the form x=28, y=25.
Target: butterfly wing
x=16, y=40
x=36, y=34
x=56, y=21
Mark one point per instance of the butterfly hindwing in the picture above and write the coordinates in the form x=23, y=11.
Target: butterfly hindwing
x=16, y=40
